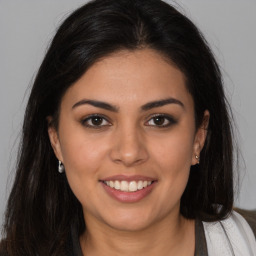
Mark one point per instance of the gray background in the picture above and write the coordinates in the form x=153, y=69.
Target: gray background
x=26, y=27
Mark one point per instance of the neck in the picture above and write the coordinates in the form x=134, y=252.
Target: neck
x=167, y=237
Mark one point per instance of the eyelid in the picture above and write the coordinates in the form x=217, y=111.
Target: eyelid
x=89, y=117
x=170, y=119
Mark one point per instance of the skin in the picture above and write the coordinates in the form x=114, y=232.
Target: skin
x=130, y=141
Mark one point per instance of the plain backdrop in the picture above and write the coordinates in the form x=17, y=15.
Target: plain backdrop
x=27, y=26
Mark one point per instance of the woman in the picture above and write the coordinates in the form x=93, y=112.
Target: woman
x=127, y=143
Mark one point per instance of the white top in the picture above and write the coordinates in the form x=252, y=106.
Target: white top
x=230, y=237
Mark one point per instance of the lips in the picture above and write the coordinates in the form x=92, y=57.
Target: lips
x=128, y=188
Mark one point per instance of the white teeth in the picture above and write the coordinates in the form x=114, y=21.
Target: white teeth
x=133, y=186
x=140, y=185
x=116, y=184
x=126, y=186
x=111, y=184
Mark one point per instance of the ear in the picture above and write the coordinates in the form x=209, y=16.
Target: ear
x=200, y=138
x=54, y=139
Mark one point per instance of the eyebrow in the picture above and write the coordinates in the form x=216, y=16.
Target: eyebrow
x=112, y=108
x=160, y=103
x=95, y=103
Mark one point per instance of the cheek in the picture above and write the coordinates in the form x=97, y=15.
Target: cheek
x=173, y=157
x=174, y=151
x=83, y=160
x=83, y=157
x=81, y=151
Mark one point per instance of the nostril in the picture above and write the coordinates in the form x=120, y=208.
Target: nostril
x=128, y=149
x=129, y=161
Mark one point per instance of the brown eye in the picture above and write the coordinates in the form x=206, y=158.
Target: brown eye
x=161, y=121
x=95, y=121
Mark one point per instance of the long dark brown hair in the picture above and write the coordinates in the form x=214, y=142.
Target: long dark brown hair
x=41, y=207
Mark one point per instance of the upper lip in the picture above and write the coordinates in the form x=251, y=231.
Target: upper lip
x=129, y=178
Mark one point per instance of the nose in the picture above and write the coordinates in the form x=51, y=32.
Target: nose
x=129, y=147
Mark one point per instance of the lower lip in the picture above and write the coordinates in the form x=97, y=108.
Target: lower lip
x=128, y=197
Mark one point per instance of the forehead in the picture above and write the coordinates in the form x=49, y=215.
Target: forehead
x=131, y=77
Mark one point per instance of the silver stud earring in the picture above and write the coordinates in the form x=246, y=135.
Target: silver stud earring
x=198, y=159
x=60, y=167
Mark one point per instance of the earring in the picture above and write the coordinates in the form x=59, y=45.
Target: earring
x=60, y=167
x=198, y=159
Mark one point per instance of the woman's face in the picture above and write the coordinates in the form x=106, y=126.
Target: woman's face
x=127, y=139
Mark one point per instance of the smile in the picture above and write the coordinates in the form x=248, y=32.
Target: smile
x=128, y=189
x=128, y=186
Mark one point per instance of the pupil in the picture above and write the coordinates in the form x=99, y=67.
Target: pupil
x=96, y=120
x=159, y=120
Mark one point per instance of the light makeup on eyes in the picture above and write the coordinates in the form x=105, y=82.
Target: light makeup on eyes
x=161, y=121
x=97, y=121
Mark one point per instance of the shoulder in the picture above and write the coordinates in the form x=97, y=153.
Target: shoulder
x=232, y=234
x=250, y=217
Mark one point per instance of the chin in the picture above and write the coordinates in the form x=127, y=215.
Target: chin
x=129, y=226
x=129, y=222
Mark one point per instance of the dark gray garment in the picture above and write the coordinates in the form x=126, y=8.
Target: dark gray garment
x=73, y=246
x=200, y=246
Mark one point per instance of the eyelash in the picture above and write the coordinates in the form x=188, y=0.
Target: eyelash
x=167, y=118
x=88, y=119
